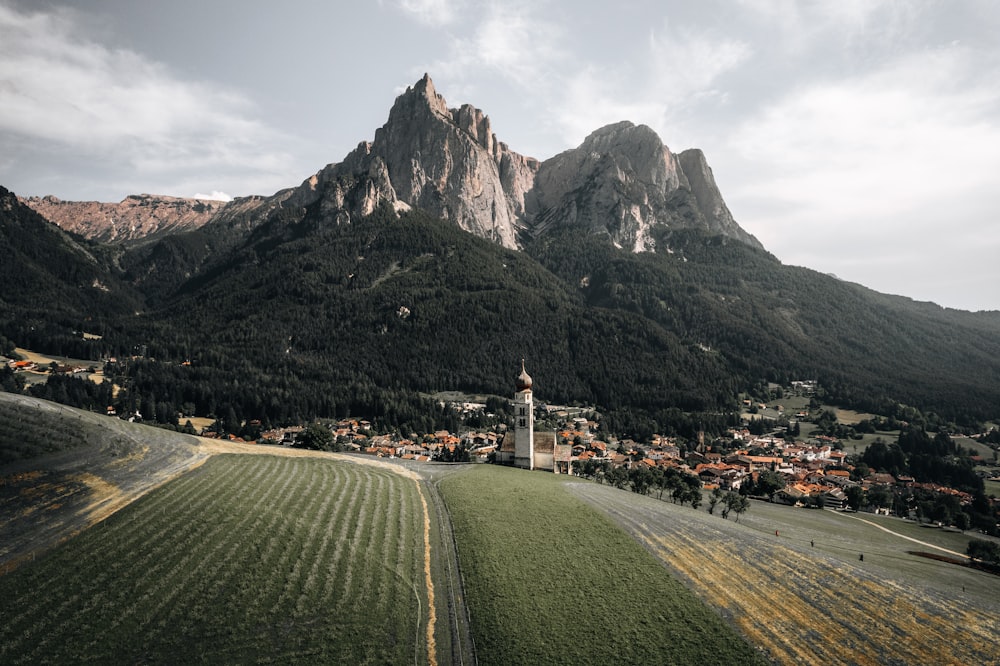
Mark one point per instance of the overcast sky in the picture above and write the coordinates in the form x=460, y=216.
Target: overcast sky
x=855, y=137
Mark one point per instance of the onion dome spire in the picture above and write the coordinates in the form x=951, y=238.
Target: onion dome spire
x=524, y=379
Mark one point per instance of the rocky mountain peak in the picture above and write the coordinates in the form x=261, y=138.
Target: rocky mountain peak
x=714, y=211
x=622, y=181
x=424, y=90
x=445, y=161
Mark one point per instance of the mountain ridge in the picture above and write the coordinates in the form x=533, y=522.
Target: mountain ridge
x=137, y=217
x=620, y=182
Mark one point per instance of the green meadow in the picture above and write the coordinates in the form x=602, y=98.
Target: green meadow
x=551, y=580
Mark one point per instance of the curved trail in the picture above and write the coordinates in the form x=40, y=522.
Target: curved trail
x=903, y=536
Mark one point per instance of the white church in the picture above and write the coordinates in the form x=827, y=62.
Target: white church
x=522, y=446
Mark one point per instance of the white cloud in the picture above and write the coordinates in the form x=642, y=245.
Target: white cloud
x=61, y=89
x=796, y=26
x=536, y=50
x=890, y=174
x=874, y=144
x=673, y=73
x=510, y=40
x=690, y=62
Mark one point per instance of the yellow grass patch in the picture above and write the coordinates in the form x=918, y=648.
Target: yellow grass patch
x=851, y=417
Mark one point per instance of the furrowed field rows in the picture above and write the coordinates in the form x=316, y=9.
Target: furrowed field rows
x=800, y=604
x=245, y=558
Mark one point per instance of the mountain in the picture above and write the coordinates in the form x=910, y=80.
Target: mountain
x=46, y=270
x=434, y=257
x=621, y=182
x=135, y=218
x=624, y=183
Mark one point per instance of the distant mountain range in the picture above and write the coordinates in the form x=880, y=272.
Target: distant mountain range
x=137, y=217
x=435, y=257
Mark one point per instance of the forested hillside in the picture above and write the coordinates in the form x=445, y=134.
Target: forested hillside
x=781, y=323
x=289, y=316
x=54, y=285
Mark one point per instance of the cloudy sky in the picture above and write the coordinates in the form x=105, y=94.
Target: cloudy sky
x=855, y=137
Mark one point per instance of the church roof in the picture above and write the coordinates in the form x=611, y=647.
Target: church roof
x=523, y=379
x=545, y=442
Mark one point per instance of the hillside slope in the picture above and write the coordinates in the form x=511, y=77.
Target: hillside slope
x=64, y=469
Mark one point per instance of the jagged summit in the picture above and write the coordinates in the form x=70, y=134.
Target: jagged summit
x=622, y=181
x=423, y=91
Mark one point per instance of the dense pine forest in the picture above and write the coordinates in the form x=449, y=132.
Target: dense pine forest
x=296, y=318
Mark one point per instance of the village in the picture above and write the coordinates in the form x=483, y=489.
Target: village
x=764, y=458
x=810, y=472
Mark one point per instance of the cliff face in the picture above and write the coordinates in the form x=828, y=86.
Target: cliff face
x=447, y=162
x=714, y=212
x=136, y=217
x=623, y=182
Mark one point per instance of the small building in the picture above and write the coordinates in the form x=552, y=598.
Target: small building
x=522, y=446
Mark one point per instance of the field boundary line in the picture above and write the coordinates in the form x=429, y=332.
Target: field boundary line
x=902, y=536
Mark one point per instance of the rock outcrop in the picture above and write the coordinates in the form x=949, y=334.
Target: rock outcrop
x=622, y=181
x=714, y=212
x=136, y=217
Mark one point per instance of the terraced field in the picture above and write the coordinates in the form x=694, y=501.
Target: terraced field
x=286, y=559
x=806, y=604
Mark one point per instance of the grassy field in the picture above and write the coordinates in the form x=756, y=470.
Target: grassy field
x=246, y=558
x=296, y=556
x=792, y=581
x=549, y=580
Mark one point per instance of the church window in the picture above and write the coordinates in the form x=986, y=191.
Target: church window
x=522, y=423
x=522, y=411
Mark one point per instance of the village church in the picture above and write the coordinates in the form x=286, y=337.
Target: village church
x=522, y=446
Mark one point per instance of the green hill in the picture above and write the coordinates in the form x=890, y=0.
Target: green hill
x=63, y=469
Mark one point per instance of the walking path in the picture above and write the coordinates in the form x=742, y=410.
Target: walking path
x=902, y=536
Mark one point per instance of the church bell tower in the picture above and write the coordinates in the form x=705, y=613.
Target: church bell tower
x=524, y=422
